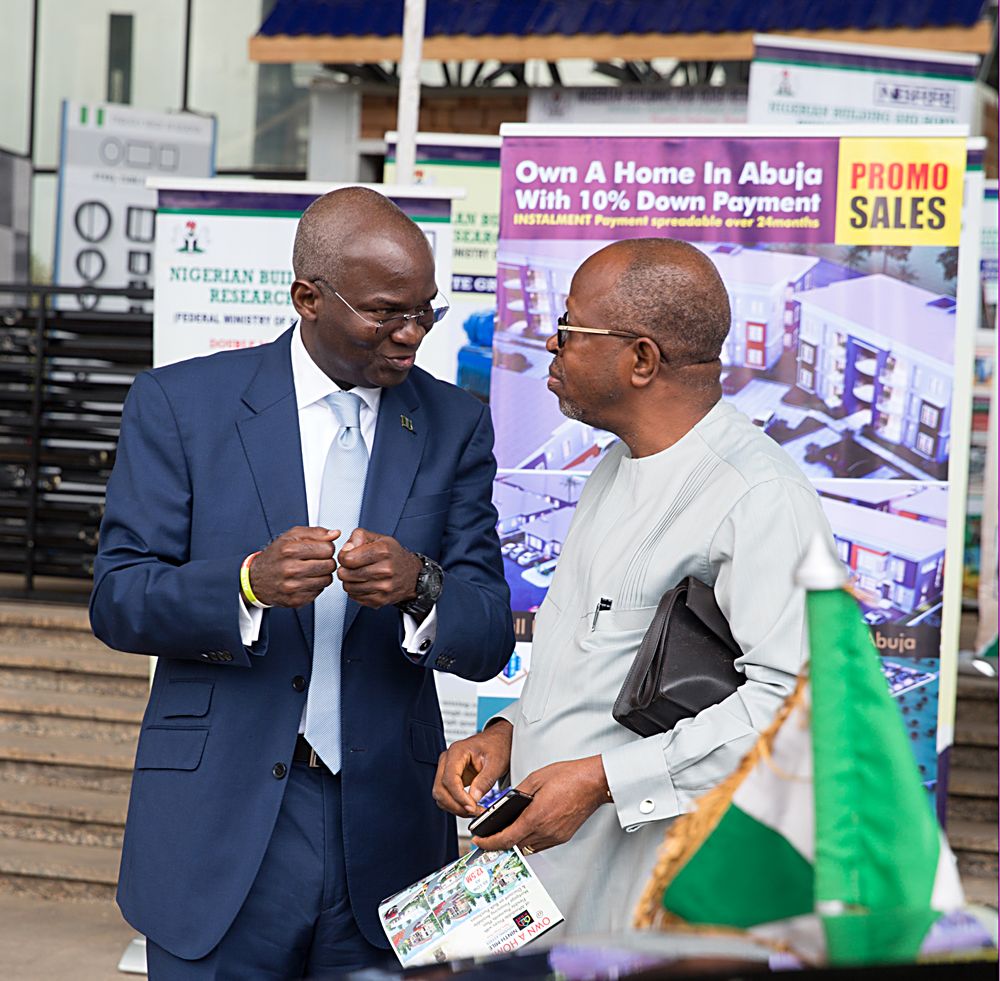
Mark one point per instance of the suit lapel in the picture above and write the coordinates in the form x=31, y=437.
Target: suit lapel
x=270, y=435
x=395, y=458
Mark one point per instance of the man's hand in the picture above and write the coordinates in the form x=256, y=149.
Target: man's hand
x=376, y=570
x=295, y=568
x=566, y=794
x=477, y=763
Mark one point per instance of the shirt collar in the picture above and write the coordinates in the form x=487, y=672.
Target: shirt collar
x=312, y=384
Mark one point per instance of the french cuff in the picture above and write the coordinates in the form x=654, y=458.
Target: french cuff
x=640, y=783
x=250, y=620
x=418, y=638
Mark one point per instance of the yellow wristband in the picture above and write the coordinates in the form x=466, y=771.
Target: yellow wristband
x=245, y=583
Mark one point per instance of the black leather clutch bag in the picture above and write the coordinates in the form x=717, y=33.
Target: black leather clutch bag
x=684, y=663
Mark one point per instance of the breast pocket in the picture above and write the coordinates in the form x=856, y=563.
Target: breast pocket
x=190, y=699
x=425, y=504
x=608, y=648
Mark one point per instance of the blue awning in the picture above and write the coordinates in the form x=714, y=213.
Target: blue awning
x=476, y=18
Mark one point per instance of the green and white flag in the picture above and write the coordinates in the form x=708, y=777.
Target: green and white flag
x=826, y=825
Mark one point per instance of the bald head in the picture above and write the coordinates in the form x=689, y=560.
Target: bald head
x=344, y=225
x=670, y=290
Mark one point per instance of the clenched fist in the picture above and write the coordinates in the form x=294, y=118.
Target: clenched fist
x=295, y=568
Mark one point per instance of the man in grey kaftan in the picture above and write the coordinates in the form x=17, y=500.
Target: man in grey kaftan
x=692, y=488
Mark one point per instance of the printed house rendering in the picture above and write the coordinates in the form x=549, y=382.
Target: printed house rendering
x=879, y=352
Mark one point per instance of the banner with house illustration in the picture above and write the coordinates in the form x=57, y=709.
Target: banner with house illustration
x=851, y=263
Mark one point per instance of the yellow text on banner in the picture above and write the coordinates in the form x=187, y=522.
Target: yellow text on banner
x=902, y=191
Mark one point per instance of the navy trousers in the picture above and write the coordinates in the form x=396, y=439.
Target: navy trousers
x=297, y=920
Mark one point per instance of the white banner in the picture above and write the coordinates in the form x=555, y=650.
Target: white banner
x=106, y=213
x=794, y=80
x=224, y=264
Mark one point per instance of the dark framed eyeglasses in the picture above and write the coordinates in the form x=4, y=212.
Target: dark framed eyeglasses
x=426, y=316
x=564, y=329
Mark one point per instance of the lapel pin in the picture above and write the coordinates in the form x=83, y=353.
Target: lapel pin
x=407, y=424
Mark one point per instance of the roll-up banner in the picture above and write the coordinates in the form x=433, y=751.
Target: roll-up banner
x=105, y=208
x=800, y=80
x=472, y=163
x=852, y=270
x=224, y=263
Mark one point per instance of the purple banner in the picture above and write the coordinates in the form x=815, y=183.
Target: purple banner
x=716, y=190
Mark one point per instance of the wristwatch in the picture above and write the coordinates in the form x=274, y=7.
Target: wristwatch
x=430, y=582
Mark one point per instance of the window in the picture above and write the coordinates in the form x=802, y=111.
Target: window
x=843, y=549
x=807, y=353
x=897, y=568
x=755, y=357
x=925, y=444
x=805, y=378
x=755, y=332
x=930, y=415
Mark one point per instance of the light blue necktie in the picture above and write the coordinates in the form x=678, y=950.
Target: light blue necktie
x=339, y=507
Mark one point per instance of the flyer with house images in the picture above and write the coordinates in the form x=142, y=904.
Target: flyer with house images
x=483, y=903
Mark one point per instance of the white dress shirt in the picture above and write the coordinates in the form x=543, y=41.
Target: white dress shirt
x=318, y=427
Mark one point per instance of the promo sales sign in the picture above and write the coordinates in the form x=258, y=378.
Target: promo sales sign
x=850, y=191
x=846, y=259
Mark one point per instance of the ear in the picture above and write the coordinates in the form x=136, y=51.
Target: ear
x=305, y=299
x=646, y=362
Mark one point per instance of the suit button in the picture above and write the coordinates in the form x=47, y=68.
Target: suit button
x=225, y=656
x=279, y=770
x=425, y=645
x=205, y=655
x=299, y=683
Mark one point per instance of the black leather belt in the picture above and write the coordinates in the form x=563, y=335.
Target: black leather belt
x=304, y=753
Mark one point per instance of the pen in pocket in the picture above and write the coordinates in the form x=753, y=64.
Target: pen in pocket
x=603, y=604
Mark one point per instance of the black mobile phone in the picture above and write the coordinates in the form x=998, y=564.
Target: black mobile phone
x=502, y=812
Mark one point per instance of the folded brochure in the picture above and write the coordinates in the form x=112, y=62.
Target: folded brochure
x=483, y=903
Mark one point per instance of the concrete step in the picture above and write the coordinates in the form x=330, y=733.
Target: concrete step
x=47, y=616
x=98, y=779
x=981, y=891
x=57, y=829
x=966, y=781
x=58, y=870
x=983, y=758
x=975, y=732
x=981, y=710
x=63, y=729
x=977, y=688
x=977, y=865
x=53, y=657
x=20, y=798
x=39, y=679
x=72, y=705
x=972, y=809
x=91, y=754
x=973, y=836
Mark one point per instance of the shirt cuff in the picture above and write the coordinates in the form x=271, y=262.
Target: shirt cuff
x=418, y=638
x=640, y=783
x=250, y=620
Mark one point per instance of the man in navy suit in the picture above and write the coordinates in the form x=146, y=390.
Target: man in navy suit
x=245, y=854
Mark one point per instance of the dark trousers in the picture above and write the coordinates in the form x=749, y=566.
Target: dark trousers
x=297, y=920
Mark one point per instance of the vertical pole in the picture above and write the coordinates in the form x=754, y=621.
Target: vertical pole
x=32, y=105
x=186, y=77
x=408, y=111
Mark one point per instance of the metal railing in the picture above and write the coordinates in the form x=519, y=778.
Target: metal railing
x=65, y=368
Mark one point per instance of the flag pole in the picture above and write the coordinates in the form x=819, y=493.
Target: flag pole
x=408, y=109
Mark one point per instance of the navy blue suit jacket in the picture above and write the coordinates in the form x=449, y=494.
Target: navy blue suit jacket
x=209, y=469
